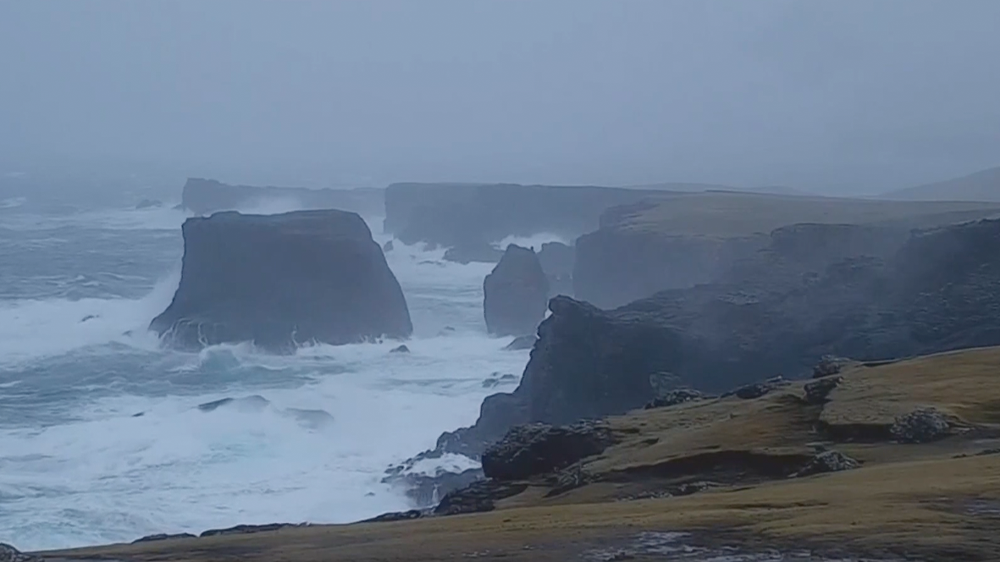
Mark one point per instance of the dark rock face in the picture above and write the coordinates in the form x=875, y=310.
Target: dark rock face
x=480, y=252
x=557, y=263
x=400, y=349
x=478, y=497
x=940, y=292
x=204, y=197
x=536, y=449
x=250, y=529
x=515, y=293
x=757, y=389
x=921, y=426
x=452, y=215
x=283, y=280
x=163, y=537
x=818, y=391
x=10, y=554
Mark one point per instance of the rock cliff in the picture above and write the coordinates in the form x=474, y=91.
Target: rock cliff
x=682, y=240
x=515, y=293
x=557, y=262
x=939, y=292
x=282, y=280
x=204, y=197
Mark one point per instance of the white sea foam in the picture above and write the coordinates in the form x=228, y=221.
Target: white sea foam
x=96, y=473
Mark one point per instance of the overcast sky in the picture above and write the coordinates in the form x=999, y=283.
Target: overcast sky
x=839, y=95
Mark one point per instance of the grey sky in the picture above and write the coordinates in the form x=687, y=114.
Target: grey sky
x=847, y=95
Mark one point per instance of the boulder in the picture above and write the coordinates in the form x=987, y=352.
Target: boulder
x=282, y=280
x=536, y=449
x=829, y=365
x=387, y=247
x=921, y=426
x=828, y=461
x=206, y=196
x=515, y=293
x=472, y=252
x=400, y=349
x=396, y=516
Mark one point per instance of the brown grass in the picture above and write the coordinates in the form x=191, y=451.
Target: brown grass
x=907, y=500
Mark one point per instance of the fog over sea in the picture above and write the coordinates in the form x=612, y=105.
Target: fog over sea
x=79, y=283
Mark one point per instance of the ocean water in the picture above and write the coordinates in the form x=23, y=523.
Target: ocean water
x=101, y=437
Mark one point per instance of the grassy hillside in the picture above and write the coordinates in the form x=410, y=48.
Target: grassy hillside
x=724, y=463
x=980, y=186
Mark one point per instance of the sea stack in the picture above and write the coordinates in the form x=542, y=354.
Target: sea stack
x=283, y=280
x=515, y=294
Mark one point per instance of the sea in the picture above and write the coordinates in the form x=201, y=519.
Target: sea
x=101, y=436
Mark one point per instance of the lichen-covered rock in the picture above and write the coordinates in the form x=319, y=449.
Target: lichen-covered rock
x=536, y=449
x=828, y=461
x=557, y=262
x=921, y=426
x=818, y=391
x=400, y=349
x=283, y=280
x=674, y=397
x=515, y=293
x=10, y=554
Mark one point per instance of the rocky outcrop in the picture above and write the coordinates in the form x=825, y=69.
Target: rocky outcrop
x=453, y=215
x=818, y=391
x=205, y=196
x=921, y=426
x=282, y=280
x=940, y=292
x=828, y=461
x=675, y=397
x=10, y=554
x=537, y=449
x=683, y=240
x=557, y=263
x=515, y=293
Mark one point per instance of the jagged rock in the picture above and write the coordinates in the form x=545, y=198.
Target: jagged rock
x=396, y=516
x=521, y=343
x=828, y=461
x=283, y=280
x=515, y=293
x=163, y=537
x=830, y=365
x=818, y=391
x=482, y=252
x=250, y=529
x=535, y=449
x=478, y=497
x=387, y=247
x=400, y=349
x=921, y=426
x=10, y=554
x=675, y=397
x=758, y=389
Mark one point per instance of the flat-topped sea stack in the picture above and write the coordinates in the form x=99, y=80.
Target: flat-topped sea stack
x=205, y=196
x=283, y=280
x=679, y=240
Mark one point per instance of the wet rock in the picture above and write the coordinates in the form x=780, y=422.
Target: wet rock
x=250, y=403
x=515, y=293
x=387, y=247
x=473, y=253
x=757, y=389
x=521, y=343
x=163, y=537
x=400, y=349
x=557, y=262
x=396, y=516
x=536, y=449
x=426, y=490
x=478, y=497
x=818, y=391
x=830, y=365
x=674, y=397
x=88, y=317
x=828, y=461
x=921, y=426
x=304, y=276
x=10, y=554
x=251, y=529
x=497, y=379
